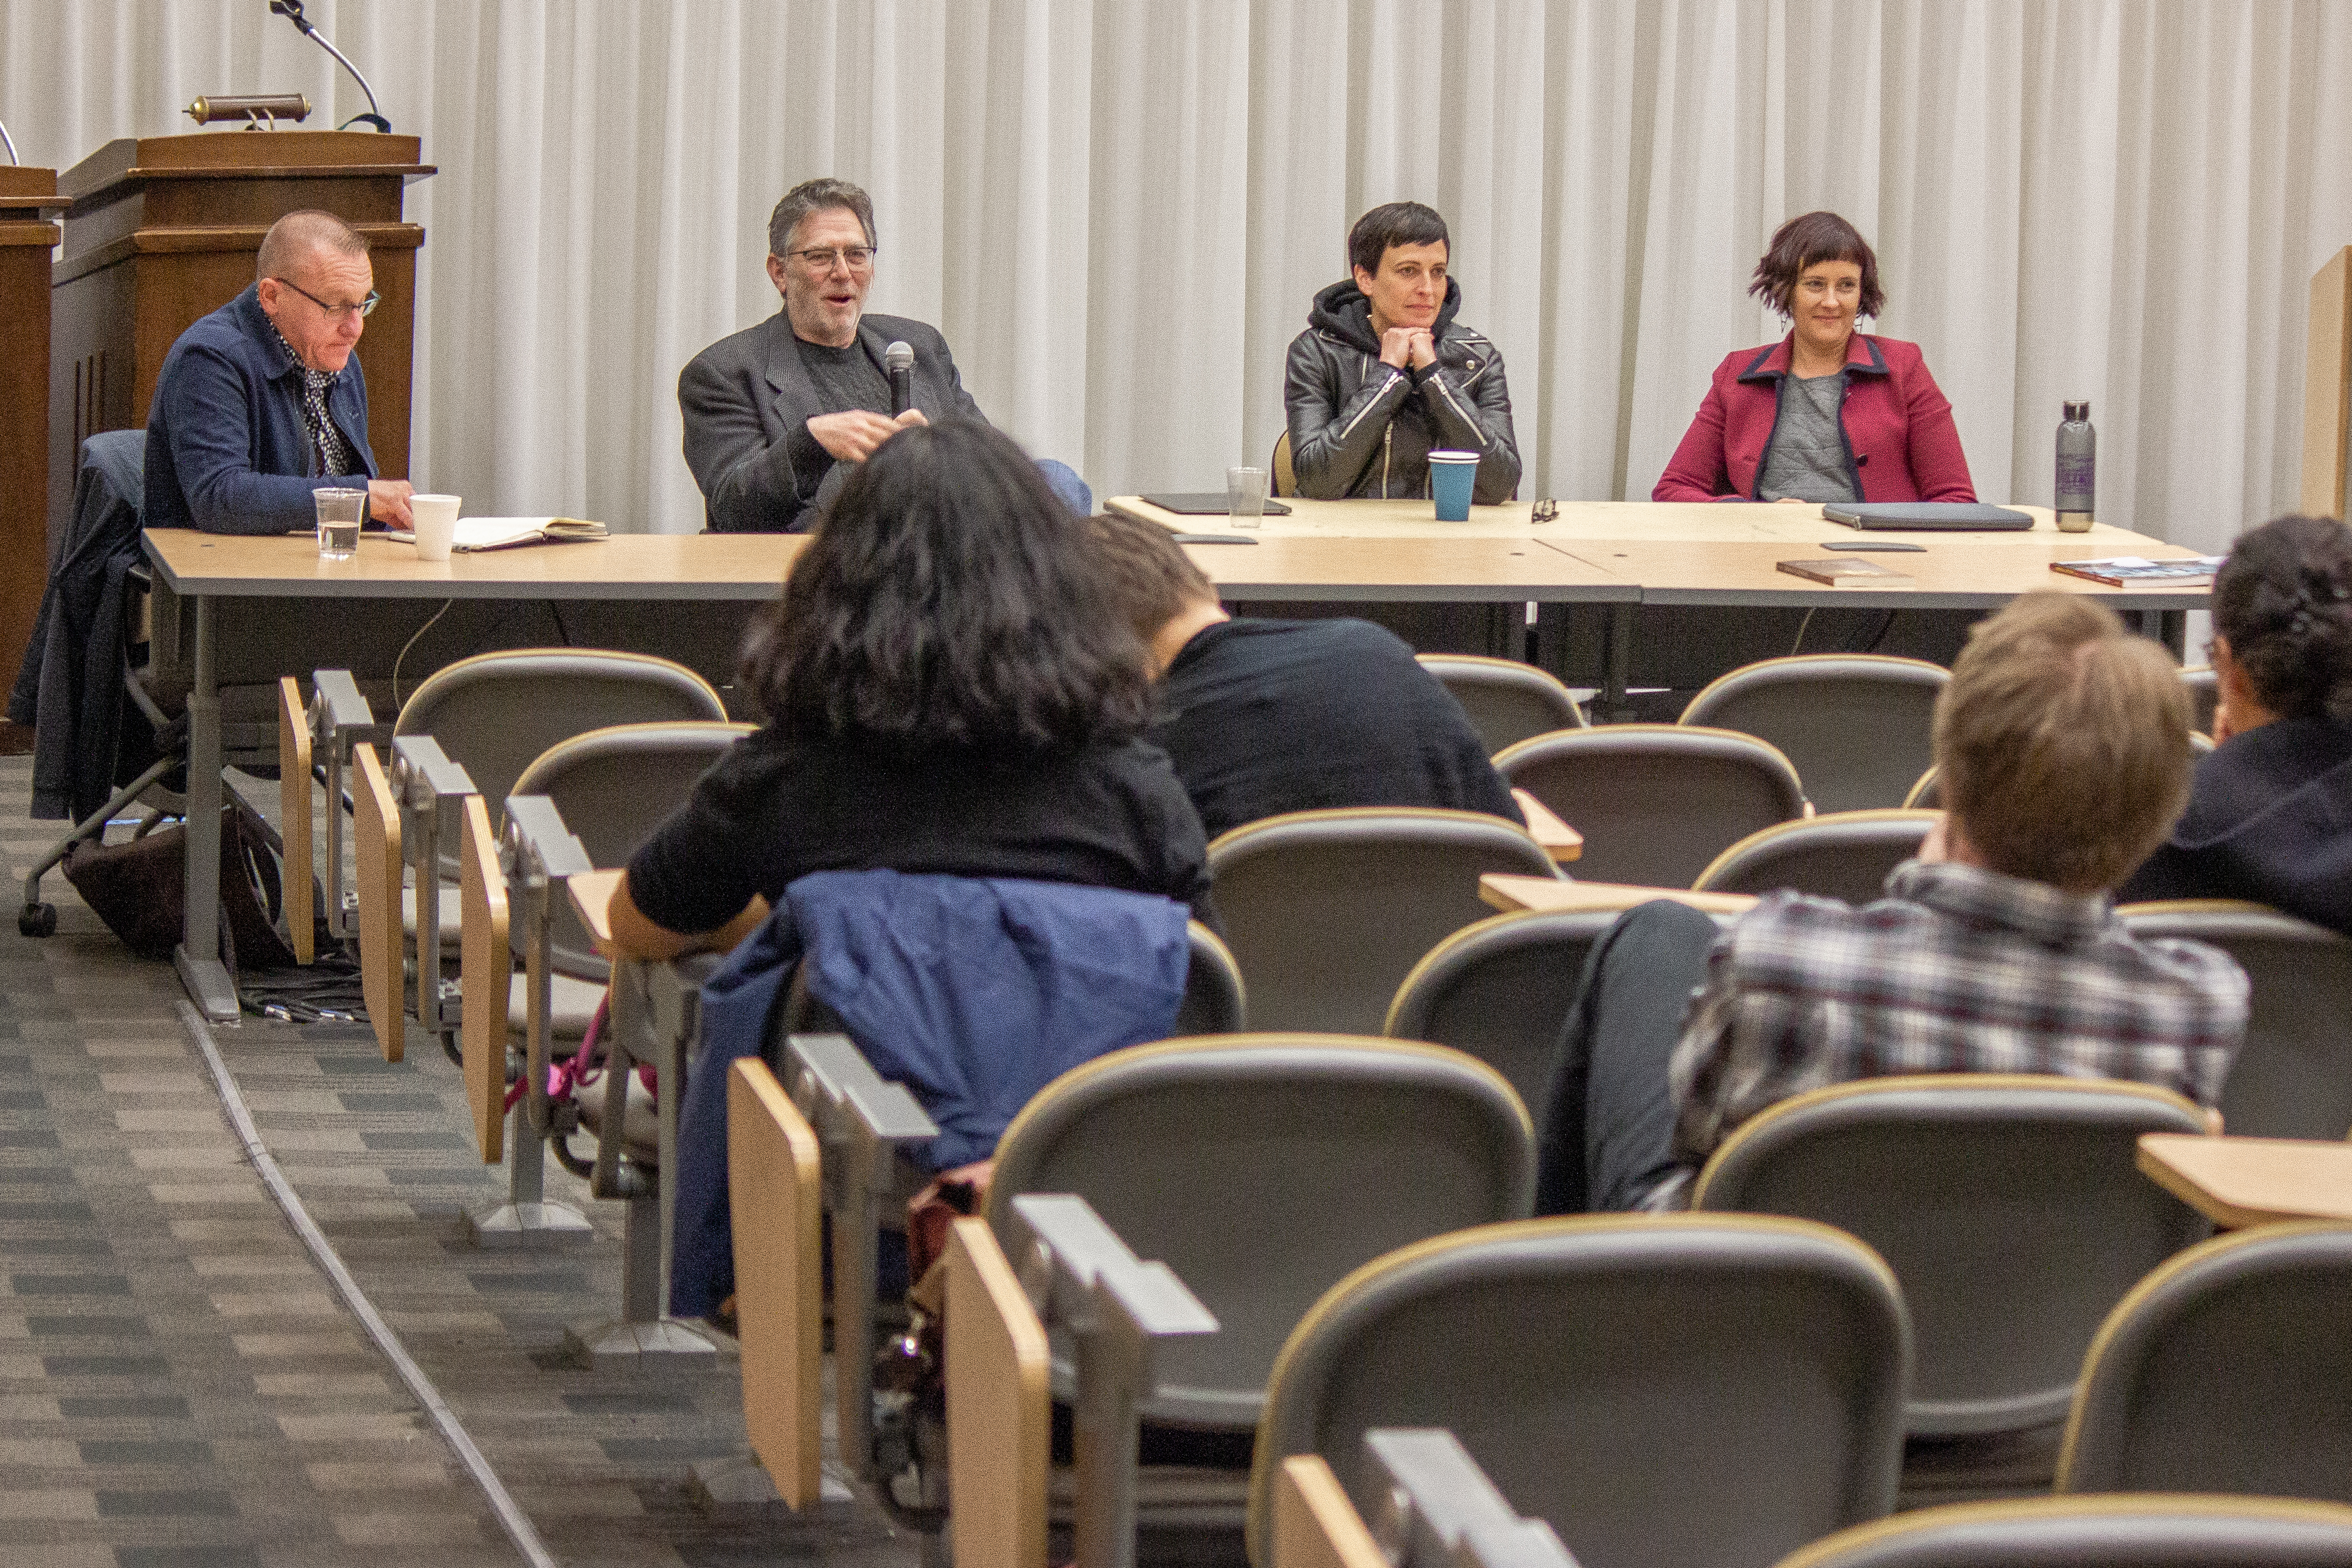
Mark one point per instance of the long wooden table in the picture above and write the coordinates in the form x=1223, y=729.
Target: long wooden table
x=1722, y=553
x=225, y=580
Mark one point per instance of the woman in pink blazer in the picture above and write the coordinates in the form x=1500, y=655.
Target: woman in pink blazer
x=1827, y=413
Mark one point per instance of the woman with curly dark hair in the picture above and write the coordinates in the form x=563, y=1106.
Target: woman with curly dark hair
x=947, y=688
x=1827, y=413
x=2269, y=813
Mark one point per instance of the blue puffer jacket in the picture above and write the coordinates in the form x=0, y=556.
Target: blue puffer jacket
x=973, y=992
x=227, y=448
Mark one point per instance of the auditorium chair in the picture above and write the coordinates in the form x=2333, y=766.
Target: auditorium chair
x=1327, y=911
x=851, y=1133
x=1501, y=991
x=487, y=716
x=2227, y=1370
x=1304, y=1126
x=2147, y=1530
x=1507, y=701
x=1684, y=1391
x=2009, y=1204
x=586, y=802
x=2293, y=1076
x=1247, y=1163
x=1657, y=803
x=1858, y=727
x=1842, y=855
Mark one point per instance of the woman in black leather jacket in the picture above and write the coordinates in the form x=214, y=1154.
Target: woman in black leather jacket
x=1384, y=374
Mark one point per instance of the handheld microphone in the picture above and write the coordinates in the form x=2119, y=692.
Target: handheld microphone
x=898, y=363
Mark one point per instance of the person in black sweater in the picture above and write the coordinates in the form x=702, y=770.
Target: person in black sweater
x=2270, y=813
x=949, y=687
x=1264, y=717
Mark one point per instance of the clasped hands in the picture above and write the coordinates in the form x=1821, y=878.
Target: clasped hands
x=852, y=435
x=1400, y=346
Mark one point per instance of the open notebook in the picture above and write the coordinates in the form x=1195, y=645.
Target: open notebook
x=499, y=533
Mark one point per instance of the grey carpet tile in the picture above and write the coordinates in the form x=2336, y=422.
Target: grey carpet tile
x=179, y=1384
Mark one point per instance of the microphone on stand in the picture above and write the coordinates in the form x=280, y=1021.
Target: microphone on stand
x=898, y=363
x=292, y=11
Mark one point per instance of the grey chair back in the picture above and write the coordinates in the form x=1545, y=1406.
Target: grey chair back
x=1842, y=855
x=1684, y=1391
x=2229, y=1369
x=2138, y=1530
x=2293, y=1076
x=1214, y=1000
x=614, y=786
x=1657, y=803
x=1262, y=1169
x=1501, y=991
x=496, y=713
x=2010, y=1205
x=1858, y=726
x=1327, y=912
x=1507, y=701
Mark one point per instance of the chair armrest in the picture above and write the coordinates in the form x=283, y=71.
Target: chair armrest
x=863, y=1124
x=1561, y=841
x=1515, y=893
x=2241, y=1182
x=592, y=900
x=1449, y=1513
x=1117, y=1308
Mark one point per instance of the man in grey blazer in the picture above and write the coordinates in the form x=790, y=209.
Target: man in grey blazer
x=775, y=415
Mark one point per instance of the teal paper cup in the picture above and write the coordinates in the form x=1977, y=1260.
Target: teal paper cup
x=1452, y=477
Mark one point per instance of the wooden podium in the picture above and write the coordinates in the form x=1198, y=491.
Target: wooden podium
x=28, y=198
x=164, y=229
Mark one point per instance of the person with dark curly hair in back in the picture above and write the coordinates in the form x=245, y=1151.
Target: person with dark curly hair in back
x=2269, y=813
x=949, y=687
x=1827, y=413
x=947, y=829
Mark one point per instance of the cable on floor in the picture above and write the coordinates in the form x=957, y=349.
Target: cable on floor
x=420, y=1388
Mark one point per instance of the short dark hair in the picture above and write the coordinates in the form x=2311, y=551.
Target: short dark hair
x=2283, y=601
x=948, y=601
x=2062, y=742
x=1152, y=580
x=1394, y=222
x=816, y=196
x=1808, y=241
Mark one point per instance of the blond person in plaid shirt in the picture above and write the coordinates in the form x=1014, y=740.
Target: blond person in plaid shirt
x=2063, y=750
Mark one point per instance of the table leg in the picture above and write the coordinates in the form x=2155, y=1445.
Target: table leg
x=1617, y=663
x=202, y=973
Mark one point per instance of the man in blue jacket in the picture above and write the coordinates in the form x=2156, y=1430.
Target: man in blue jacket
x=261, y=402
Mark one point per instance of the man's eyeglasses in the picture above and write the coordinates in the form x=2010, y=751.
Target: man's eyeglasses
x=858, y=256
x=365, y=307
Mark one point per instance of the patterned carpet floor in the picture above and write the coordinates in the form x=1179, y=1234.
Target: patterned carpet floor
x=179, y=1383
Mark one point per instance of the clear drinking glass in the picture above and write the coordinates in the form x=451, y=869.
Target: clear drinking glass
x=339, y=522
x=1245, y=497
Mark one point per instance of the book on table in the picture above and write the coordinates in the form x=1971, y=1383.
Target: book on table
x=1844, y=571
x=2123, y=571
x=500, y=532
x=504, y=533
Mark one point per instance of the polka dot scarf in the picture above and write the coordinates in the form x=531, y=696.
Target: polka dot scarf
x=334, y=455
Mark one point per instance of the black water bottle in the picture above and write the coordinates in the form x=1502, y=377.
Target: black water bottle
x=2078, y=470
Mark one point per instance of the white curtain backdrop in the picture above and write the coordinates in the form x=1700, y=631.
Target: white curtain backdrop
x=1117, y=211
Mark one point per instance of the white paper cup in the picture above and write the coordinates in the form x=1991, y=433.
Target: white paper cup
x=436, y=525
